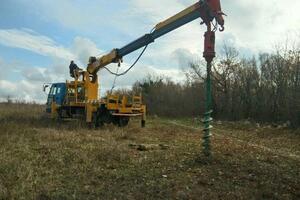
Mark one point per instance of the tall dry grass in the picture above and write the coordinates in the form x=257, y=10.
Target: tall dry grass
x=43, y=159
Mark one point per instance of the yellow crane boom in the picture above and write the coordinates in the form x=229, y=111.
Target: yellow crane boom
x=207, y=10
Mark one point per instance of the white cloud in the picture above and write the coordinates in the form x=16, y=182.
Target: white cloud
x=37, y=74
x=139, y=72
x=258, y=25
x=5, y=85
x=71, y=14
x=22, y=90
x=184, y=57
x=83, y=48
x=2, y=69
x=30, y=40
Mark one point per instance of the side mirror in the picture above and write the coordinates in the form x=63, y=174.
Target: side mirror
x=45, y=86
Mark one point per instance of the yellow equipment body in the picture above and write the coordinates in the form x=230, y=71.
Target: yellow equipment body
x=80, y=99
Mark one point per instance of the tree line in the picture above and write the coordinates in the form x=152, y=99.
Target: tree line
x=265, y=88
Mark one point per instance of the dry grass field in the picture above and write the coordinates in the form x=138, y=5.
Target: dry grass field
x=42, y=159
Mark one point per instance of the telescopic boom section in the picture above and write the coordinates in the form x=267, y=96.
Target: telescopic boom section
x=207, y=10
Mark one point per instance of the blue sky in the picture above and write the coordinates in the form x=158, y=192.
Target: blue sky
x=39, y=37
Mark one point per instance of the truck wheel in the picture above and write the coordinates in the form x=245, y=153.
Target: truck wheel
x=143, y=123
x=59, y=118
x=123, y=121
x=95, y=122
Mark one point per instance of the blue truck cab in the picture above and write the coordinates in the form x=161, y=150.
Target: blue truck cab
x=56, y=94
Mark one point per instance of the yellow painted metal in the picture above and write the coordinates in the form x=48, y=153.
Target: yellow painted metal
x=113, y=102
x=90, y=109
x=94, y=67
x=127, y=115
x=178, y=16
x=123, y=105
x=53, y=110
x=91, y=87
x=143, y=111
x=91, y=95
x=83, y=93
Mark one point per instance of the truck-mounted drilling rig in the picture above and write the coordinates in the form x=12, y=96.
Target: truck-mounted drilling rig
x=80, y=96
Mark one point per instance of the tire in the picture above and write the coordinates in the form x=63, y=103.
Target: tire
x=95, y=122
x=123, y=121
x=103, y=116
x=143, y=123
x=59, y=118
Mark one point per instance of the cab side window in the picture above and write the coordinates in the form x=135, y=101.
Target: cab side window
x=58, y=90
x=55, y=90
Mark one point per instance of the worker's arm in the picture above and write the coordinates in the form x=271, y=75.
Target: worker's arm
x=208, y=10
